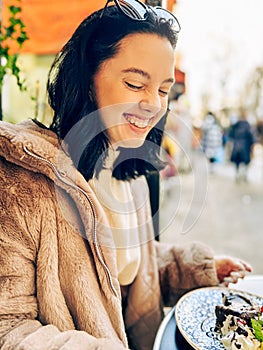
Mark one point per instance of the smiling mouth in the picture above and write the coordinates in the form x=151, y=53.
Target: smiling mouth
x=138, y=122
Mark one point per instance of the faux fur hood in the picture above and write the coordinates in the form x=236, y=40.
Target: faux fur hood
x=35, y=148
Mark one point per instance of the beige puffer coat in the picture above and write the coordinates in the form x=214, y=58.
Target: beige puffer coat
x=58, y=274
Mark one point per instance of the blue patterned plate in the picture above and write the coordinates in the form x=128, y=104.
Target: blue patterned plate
x=195, y=316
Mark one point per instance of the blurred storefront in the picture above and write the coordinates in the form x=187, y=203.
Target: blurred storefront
x=48, y=26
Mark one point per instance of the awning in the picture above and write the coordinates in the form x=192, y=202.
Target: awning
x=49, y=24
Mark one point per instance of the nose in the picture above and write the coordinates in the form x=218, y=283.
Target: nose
x=151, y=103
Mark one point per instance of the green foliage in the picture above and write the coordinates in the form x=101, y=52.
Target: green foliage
x=257, y=325
x=14, y=32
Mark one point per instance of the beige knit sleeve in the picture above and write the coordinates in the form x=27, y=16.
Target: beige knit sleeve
x=184, y=267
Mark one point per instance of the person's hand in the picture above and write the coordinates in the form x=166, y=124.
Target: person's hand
x=230, y=269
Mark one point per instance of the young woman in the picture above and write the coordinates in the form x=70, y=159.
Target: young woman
x=80, y=268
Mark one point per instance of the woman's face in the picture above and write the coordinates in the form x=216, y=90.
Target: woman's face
x=132, y=88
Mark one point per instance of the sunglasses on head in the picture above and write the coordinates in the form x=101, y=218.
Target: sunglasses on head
x=138, y=11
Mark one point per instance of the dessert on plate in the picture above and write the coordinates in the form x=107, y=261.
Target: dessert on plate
x=239, y=322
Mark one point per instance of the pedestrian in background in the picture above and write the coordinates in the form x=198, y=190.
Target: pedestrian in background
x=242, y=137
x=212, y=139
x=80, y=268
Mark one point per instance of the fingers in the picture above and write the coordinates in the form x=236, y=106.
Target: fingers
x=233, y=277
x=248, y=267
x=223, y=284
x=230, y=269
x=242, y=268
x=237, y=264
x=240, y=265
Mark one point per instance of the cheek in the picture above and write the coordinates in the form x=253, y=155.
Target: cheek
x=164, y=106
x=107, y=90
x=102, y=90
x=108, y=95
x=102, y=96
x=111, y=114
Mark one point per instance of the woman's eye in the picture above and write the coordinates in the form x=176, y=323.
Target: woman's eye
x=163, y=93
x=133, y=87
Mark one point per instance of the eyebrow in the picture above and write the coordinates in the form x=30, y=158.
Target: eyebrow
x=144, y=74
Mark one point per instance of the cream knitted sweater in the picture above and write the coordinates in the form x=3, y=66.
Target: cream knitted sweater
x=118, y=203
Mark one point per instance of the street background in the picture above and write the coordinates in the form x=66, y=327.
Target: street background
x=228, y=217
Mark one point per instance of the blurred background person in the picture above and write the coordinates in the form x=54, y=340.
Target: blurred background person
x=242, y=137
x=212, y=139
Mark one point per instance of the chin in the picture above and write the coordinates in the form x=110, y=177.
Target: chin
x=132, y=143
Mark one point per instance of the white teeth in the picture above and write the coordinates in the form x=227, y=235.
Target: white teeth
x=139, y=123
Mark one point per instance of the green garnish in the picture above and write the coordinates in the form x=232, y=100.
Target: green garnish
x=257, y=326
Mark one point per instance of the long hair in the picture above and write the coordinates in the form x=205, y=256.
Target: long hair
x=73, y=99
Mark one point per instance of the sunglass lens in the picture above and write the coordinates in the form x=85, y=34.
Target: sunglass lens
x=133, y=9
x=168, y=16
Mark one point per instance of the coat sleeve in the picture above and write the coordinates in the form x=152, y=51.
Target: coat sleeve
x=20, y=223
x=184, y=267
